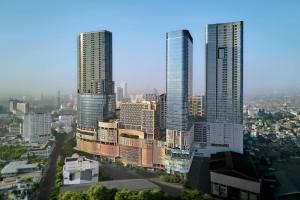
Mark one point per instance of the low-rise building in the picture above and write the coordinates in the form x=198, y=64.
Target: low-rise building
x=233, y=176
x=129, y=145
x=136, y=150
x=15, y=128
x=78, y=170
x=44, y=150
x=18, y=167
x=8, y=183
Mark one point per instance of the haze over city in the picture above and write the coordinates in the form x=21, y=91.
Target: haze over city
x=39, y=42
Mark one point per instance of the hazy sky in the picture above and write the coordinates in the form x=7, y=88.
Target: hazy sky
x=38, y=41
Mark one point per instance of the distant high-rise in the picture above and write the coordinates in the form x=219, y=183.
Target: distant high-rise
x=18, y=107
x=179, y=86
x=124, y=86
x=58, y=100
x=162, y=110
x=224, y=84
x=119, y=93
x=96, y=98
x=151, y=97
x=37, y=127
x=22, y=107
x=13, y=105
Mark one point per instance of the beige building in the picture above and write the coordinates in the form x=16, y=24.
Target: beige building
x=136, y=150
x=22, y=107
x=102, y=141
x=140, y=116
x=129, y=145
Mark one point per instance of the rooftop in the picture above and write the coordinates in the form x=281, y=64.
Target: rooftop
x=233, y=164
x=15, y=166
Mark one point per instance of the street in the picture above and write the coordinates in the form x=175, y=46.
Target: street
x=48, y=178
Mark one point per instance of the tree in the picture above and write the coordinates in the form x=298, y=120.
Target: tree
x=195, y=195
x=125, y=194
x=73, y=196
x=16, y=192
x=157, y=194
x=99, y=192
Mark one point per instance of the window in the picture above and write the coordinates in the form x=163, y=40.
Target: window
x=221, y=53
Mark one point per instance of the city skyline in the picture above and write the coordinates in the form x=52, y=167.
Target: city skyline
x=50, y=65
x=149, y=99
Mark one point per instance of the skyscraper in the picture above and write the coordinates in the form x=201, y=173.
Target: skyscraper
x=179, y=84
x=224, y=84
x=179, y=132
x=96, y=97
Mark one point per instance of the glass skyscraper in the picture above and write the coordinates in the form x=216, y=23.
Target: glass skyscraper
x=224, y=84
x=179, y=132
x=96, y=98
x=179, y=78
x=179, y=83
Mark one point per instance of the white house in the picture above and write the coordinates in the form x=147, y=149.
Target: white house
x=78, y=170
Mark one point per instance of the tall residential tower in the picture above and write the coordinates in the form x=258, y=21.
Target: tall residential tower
x=96, y=97
x=224, y=85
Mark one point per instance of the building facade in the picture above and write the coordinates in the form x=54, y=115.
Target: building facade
x=37, y=127
x=234, y=176
x=179, y=132
x=224, y=85
x=22, y=108
x=119, y=93
x=104, y=142
x=125, y=92
x=79, y=170
x=140, y=116
x=196, y=106
x=162, y=112
x=96, y=97
x=15, y=128
x=151, y=97
x=130, y=146
x=13, y=105
x=179, y=82
x=18, y=107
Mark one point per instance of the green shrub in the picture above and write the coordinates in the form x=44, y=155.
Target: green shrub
x=102, y=176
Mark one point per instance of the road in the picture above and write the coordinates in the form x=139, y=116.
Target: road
x=117, y=172
x=48, y=178
x=121, y=173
